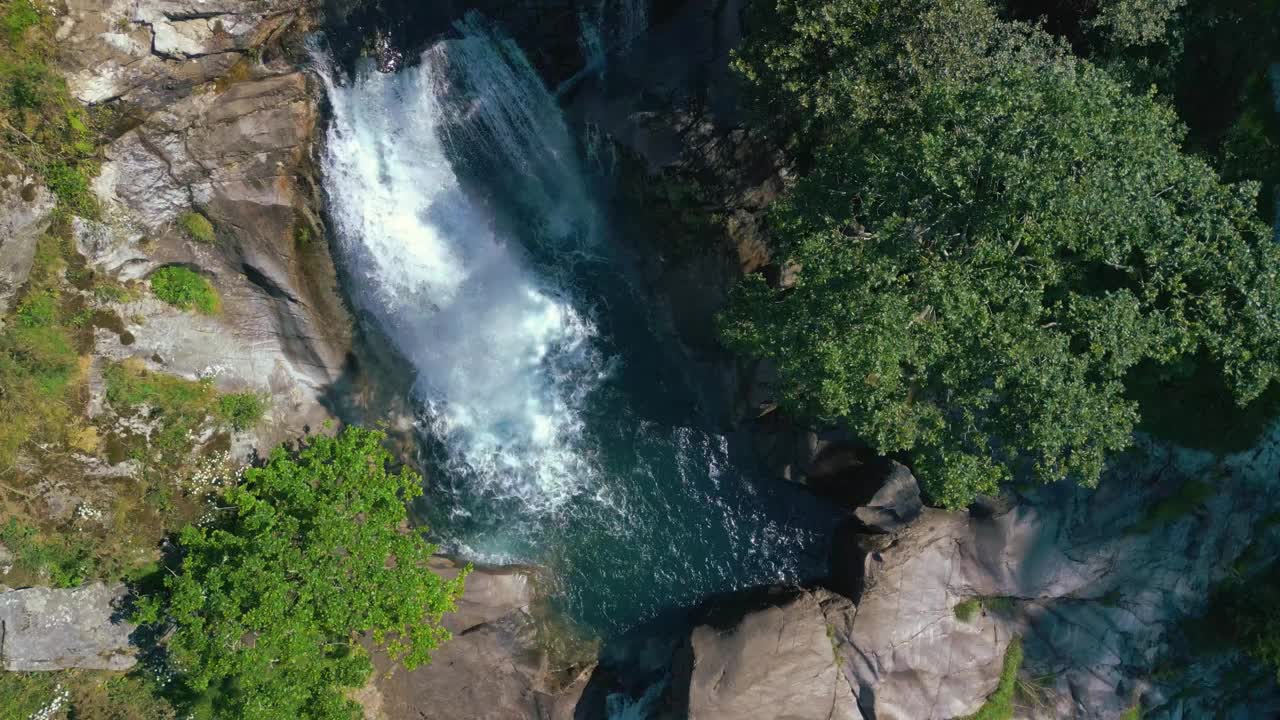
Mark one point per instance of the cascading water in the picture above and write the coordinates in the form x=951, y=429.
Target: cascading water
x=559, y=432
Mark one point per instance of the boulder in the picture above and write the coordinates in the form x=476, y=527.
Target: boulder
x=496, y=667
x=59, y=629
x=24, y=210
x=775, y=662
x=1097, y=583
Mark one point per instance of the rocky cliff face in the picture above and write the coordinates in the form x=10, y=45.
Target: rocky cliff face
x=224, y=127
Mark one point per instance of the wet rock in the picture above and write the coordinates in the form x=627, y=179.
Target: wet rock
x=24, y=209
x=58, y=629
x=776, y=662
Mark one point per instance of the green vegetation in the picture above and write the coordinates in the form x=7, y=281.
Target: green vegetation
x=993, y=235
x=184, y=288
x=1133, y=713
x=999, y=705
x=196, y=226
x=967, y=610
x=60, y=561
x=178, y=406
x=1242, y=615
x=311, y=552
x=41, y=126
x=83, y=695
x=1188, y=497
x=242, y=410
x=40, y=367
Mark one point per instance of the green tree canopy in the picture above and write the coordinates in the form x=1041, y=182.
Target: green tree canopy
x=315, y=550
x=982, y=266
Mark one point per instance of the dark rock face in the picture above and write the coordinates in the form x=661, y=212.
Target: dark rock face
x=48, y=629
x=774, y=663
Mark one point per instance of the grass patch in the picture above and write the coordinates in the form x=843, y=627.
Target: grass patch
x=59, y=561
x=196, y=226
x=1133, y=713
x=185, y=289
x=1189, y=496
x=999, y=705
x=88, y=695
x=967, y=610
x=40, y=366
x=41, y=126
x=176, y=405
x=242, y=410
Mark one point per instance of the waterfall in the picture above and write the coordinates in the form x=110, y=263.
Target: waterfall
x=504, y=360
x=557, y=429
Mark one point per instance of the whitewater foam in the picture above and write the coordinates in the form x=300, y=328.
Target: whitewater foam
x=505, y=361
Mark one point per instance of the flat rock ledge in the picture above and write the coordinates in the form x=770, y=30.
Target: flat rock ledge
x=59, y=629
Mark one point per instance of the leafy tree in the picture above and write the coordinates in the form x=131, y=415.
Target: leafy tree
x=314, y=551
x=982, y=267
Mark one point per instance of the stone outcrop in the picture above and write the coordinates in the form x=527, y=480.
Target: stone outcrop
x=226, y=133
x=776, y=662
x=149, y=53
x=49, y=629
x=24, y=208
x=1097, y=583
x=496, y=667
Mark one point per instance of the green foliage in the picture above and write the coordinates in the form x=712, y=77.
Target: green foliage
x=184, y=288
x=1189, y=496
x=242, y=410
x=1136, y=22
x=197, y=227
x=41, y=126
x=22, y=695
x=313, y=551
x=179, y=405
x=1242, y=615
x=984, y=262
x=1133, y=713
x=64, y=562
x=18, y=17
x=85, y=695
x=999, y=705
x=39, y=364
x=967, y=610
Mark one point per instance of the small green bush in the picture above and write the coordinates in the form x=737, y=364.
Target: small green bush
x=20, y=16
x=70, y=185
x=999, y=705
x=197, y=227
x=39, y=310
x=185, y=289
x=1133, y=713
x=241, y=410
x=967, y=610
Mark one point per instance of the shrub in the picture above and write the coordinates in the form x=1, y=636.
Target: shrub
x=197, y=227
x=241, y=410
x=967, y=610
x=185, y=289
x=19, y=16
x=311, y=553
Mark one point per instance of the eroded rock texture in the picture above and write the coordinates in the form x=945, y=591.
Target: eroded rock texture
x=53, y=629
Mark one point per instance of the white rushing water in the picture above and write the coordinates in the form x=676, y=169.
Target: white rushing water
x=505, y=360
